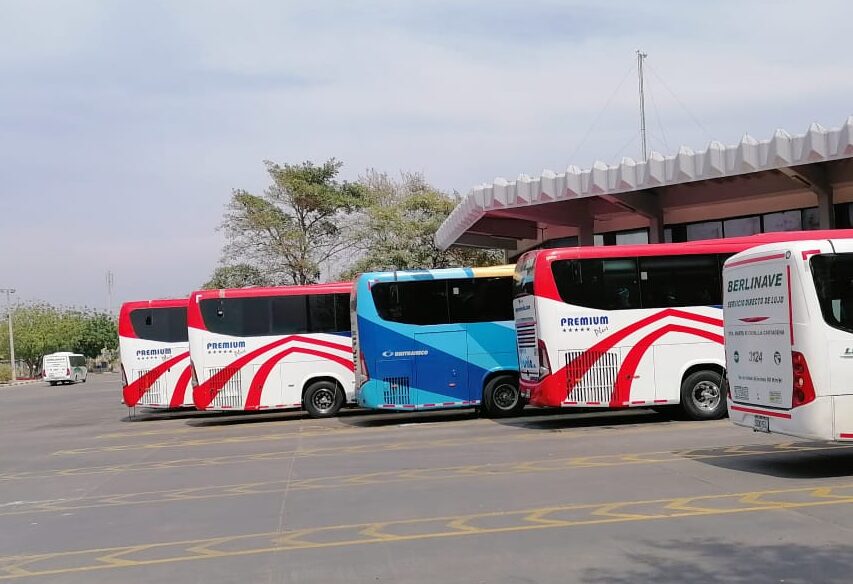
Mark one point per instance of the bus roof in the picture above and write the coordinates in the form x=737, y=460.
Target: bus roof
x=251, y=292
x=727, y=245
x=441, y=273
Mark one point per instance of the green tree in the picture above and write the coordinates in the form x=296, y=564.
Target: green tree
x=41, y=329
x=236, y=276
x=397, y=230
x=97, y=331
x=297, y=224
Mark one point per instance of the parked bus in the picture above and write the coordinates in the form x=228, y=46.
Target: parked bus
x=272, y=348
x=434, y=339
x=154, y=353
x=64, y=367
x=788, y=311
x=627, y=326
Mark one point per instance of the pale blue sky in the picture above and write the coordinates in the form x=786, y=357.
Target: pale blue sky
x=124, y=125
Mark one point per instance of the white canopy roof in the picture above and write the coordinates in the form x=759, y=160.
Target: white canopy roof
x=717, y=161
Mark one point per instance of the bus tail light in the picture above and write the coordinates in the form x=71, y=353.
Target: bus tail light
x=123, y=376
x=194, y=377
x=803, y=386
x=68, y=371
x=544, y=362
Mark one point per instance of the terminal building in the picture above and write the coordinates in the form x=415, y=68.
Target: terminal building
x=785, y=183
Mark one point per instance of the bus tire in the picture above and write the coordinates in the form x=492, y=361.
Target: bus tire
x=323, y=399
x=702, y=396
x=501, y=397
x=52, y=383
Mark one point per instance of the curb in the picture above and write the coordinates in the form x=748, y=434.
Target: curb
x=17, y=383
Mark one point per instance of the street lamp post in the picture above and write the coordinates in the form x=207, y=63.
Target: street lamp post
x=9, y=292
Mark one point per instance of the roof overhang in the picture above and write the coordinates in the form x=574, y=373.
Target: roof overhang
x=504, y=212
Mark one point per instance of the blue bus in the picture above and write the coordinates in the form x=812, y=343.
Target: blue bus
x=434, y=339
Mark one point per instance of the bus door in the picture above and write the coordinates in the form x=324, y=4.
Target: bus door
x=441, y=367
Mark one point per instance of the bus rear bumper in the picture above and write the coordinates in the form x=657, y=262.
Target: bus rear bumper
x=812, y=421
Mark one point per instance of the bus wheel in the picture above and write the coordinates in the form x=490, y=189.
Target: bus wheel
x=501, y=397
x=323, y=399
x=702, y=396
x=52, y=383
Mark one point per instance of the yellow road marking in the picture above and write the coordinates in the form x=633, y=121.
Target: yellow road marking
x=419, y=475
x=563, y=516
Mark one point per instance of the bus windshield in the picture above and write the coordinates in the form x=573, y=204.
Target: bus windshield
x=833, y=278
x=165, y=325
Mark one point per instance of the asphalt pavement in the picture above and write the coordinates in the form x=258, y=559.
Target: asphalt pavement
x=90, y=494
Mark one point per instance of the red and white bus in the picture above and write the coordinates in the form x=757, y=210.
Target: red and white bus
x=154, y=353
x=627, y=326
x=272, y=348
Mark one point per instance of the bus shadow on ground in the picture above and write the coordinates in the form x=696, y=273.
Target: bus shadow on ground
x=791, y=460
x=240, y=418
x=557, y=420
x=377, y=418
x=713, y=560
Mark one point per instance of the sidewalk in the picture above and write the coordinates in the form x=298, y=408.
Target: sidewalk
x=8, y=384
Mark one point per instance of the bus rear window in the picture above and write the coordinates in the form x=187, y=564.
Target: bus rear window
x=522, y=279
x=166, y=325
x=833, y=279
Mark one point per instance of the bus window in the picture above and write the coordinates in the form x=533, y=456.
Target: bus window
x=289, y=315
x=480, y=299
x=420, y=302
x=321, y=311
x=523, y=276
x=672, y=281
x=605, y=284
x=343, y=322
x=168, y=325
x=833, y=279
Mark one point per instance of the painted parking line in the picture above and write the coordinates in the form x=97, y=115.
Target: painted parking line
x=506, y=436
x=486, y=471
x=350, y=450
x=386, y=532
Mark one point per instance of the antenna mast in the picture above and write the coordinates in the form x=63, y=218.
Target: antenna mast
x=640, y=58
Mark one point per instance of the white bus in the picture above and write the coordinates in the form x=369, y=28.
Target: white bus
x=154, y=353
x=272, y=348
x=626, y=326
x=64, y=367
x=789, y=337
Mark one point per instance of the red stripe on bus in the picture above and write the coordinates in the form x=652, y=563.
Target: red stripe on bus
x=809, y=252
x=625, y=376
x=772, y=414
x=775, y=256
x=133, y=392
x=253, y=398
x=790, y=307
x=181, y=388
x=845, y=435
x=204, y=393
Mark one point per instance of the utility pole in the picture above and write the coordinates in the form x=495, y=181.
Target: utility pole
x=110, y=283
x=9, y=292
x=640, y=58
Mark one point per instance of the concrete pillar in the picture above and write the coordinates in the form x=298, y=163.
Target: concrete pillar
x=826, y=207
x=656, y=234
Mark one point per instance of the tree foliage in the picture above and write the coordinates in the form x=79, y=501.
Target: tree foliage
x=397, y=229
x=236, y=276
x=299, y=223
x=41, y=329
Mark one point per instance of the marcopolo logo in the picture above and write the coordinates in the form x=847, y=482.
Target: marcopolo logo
x=583, y=321
x=419, y=353
x=226, y=345
x=153, y=352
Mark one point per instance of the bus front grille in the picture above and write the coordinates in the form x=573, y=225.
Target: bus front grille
x=591, y=375
x=396, y=391
x=231, y=394
x=155, y=395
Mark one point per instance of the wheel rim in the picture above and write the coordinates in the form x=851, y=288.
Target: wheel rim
x=706, y=395
x=505, y=396
x=323, y=399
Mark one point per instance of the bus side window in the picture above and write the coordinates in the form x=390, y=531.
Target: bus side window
x=671, y=281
